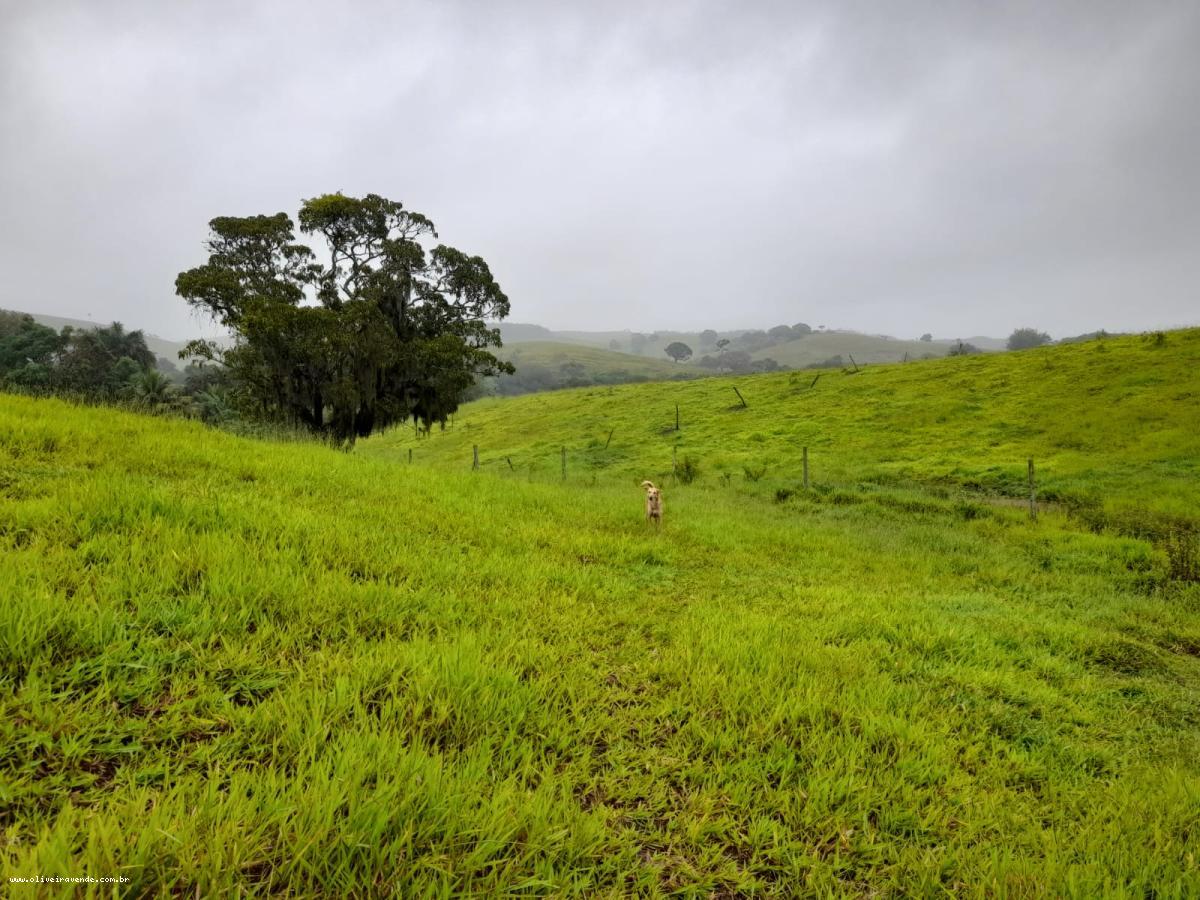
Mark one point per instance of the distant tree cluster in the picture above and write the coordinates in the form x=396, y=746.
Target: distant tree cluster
x=738, y=362
x=963, y=349
x=1027, y=338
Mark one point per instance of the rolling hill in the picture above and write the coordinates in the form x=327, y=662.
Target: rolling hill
x=1108, y=422
x=866, y=349
x=235, y=666
x=544, y=365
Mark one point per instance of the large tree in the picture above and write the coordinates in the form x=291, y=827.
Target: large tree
x=678, y=351
x=377, y=328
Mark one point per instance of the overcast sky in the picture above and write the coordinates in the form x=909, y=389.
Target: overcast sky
x=956, y=167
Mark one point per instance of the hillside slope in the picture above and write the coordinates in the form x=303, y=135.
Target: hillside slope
x=1111, y=422
x=545, y=365
x=232, y=666
x=865, y=348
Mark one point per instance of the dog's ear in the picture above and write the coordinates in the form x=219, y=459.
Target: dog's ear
x=648, y=485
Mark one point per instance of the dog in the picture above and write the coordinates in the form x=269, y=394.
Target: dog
x=654, y=503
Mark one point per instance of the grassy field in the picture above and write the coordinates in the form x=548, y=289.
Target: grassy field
x=865, y=348
x=546, y=365
x=233, y=665
x=1112, y=426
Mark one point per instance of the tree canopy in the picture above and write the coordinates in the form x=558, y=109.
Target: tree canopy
x=1024, y=338
x=678, y=351
x=386, y=329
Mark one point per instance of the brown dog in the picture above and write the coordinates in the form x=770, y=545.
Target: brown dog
x=654, y=503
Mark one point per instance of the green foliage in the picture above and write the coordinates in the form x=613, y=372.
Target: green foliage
x=150, y=389
x=1182, y=544
x=398, y=330
x=688, y=470
x=678, y=351
x=226, y=670
x=25, y=343
x=781, y=332
x=1026, y=338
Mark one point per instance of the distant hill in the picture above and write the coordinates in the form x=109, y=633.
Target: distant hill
x=546, y=365
x=824, y=346
x=795, y=353
x=1110, y=422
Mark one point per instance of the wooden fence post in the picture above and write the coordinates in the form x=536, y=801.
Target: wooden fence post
x=852, y=362
x=474, y=456
x=740, y=397
x=564, y=463
x=676, y=416
x=1032, y=493
x=410, y=456
x=510, y=465
x=806, y=468
x=609, y=441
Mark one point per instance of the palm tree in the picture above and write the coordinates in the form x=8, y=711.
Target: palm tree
x=150, y=388
x=214, y=405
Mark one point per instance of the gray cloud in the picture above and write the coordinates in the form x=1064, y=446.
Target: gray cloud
x=960, y=168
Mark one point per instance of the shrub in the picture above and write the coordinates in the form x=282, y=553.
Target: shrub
x=687, y=471
x=1182, y=545
x=782, y=495
x=754, y=474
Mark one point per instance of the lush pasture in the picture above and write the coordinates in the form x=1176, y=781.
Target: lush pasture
x=1113, y=426
x=865, y=348
x=232, y=664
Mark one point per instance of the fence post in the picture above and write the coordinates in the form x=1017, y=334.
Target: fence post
x=1032, y=493
x=740, y=397
x=474, y=456
x=676, y=416
x=564, y=463
x=610, y=434
x=410, y=456
x=806, y=468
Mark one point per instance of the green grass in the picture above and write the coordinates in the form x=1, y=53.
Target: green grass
x=543, y=365
x=594, y=360
x=234, y=665
x=1112, y=426
x=865, y=348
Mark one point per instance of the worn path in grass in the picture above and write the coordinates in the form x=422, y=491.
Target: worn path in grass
x=228, y=664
